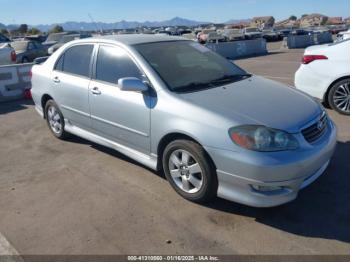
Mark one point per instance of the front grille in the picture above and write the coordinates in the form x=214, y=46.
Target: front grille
x=316, y=130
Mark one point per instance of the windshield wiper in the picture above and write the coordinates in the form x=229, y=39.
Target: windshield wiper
x=193, y=86
x=230, y=78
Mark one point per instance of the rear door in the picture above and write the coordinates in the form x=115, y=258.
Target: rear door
x=121, y=116
x=70, y=84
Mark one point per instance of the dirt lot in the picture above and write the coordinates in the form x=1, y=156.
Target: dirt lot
x=76, y=197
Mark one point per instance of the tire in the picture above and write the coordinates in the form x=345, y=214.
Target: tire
x=339, y=97
x=194, y=177
x=55, y=120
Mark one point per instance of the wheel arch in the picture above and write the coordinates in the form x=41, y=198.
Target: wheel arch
x=44, y=99
x=325, y=98
x=170, y=137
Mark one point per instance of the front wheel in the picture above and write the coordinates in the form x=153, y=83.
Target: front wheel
x=339, y=97
x=190, y=171
x=55, y=120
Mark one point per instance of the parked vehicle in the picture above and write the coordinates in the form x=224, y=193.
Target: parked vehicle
x=53, y=39
x=4, y=39
x=233, y=34
x=325, y=74
x=174, y=105
x=301, y=32
x=65, y=39
x=204, y=34
x=7, y=54
x=36, y=38
x=271, y=35
x=285, y=32
x=214, y=37
x=343, y=35
x=27, y=51
x=252, y=33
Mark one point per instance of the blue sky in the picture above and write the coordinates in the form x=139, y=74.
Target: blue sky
x=50, y=11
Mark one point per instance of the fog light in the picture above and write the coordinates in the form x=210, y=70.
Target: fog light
x=266, y=188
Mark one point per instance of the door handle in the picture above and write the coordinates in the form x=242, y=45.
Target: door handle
x=96, y=91
x=56, y=79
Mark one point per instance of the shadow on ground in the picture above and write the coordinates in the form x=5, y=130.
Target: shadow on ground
x=321, y=211
x=13, y=106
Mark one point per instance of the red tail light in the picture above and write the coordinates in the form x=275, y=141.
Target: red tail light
x=307, y=59
x=30, y=74
x=13, y=56
x=27, y=94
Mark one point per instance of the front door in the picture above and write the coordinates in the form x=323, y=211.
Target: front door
x=121, y=116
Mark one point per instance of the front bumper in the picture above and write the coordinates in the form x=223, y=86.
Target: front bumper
x=271, y=179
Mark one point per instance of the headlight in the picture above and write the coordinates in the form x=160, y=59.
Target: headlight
x=260, y=138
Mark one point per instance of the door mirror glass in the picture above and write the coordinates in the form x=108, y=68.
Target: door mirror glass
x=132, y=84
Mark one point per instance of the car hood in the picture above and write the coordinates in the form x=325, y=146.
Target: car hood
x=259, y=101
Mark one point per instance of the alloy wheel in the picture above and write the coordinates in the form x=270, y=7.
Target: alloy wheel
x=341, y=97
x=186, y=171
x=54, y=119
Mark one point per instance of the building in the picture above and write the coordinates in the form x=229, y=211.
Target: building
x=313, y=20
x=335, y=21
x=287, y=23
x=238, y=25
x=263, y=21
x=347, y=20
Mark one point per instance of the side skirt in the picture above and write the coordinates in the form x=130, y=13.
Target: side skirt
x=149, y=161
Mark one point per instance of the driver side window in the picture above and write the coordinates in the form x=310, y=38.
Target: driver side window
x=114, y=63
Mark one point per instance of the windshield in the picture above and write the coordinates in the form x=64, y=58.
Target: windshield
x=19, y=46
x=186, y=66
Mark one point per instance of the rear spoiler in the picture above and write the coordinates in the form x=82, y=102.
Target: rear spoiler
x=40, y=60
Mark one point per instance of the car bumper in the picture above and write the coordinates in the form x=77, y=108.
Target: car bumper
x=311, y=82
x=271, y=179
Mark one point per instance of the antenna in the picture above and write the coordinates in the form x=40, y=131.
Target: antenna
x=93, y=21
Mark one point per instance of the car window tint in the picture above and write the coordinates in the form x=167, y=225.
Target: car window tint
x=114, y=63
x=31, y=46
x=59, y=64
x=76, y=60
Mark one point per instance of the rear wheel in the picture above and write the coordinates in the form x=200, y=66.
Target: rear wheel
x=190, y=171
x=55, y=120
x=339, y=97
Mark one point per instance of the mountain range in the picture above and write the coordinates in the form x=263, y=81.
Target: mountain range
x=90, y=26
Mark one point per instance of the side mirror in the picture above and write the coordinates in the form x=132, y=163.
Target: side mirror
x=132, y=84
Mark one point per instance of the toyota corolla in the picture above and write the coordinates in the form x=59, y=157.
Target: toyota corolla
x=175, y=106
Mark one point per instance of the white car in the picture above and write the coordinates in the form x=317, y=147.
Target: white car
x=325, y=74
x=7, y=54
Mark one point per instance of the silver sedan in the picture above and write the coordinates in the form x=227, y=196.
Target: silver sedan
x=173, y=105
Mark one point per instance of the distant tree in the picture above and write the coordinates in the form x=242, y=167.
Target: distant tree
x=23, y=29
x=293, y=18
x=57, y=29
x=33, y=31
x=325, y=21
x=304, y=15
x=4, y=31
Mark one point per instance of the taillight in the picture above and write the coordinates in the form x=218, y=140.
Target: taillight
x=307, y=59
x=13, y=56
x=30, y=74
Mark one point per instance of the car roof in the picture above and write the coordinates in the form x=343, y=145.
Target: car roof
x=134, y=39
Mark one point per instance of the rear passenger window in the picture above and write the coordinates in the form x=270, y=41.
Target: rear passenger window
x=76, y=60
x=114, y=63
